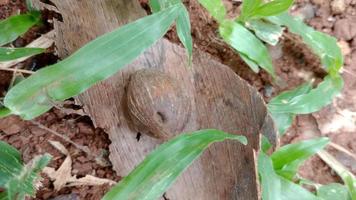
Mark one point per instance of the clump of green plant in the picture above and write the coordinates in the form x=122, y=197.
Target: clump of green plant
x=16, y=178
x=263, y=22
x=259, y=22
x=11, y=29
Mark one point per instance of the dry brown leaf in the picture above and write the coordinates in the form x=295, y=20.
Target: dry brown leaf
x=91, y=180
x=63, y=176
x=59, y=146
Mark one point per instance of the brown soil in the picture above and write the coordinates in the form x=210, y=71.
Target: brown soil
x=294, y=65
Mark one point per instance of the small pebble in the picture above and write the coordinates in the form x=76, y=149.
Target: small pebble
x=338, y=6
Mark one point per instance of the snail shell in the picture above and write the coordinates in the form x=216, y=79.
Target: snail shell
x=157, y=104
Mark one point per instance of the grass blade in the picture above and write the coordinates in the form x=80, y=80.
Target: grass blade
x=216, y=8
x=275, y=187
x=247, y=44
x=7, y=54
x=182, y=22
x=333, y=191
x=184, y=31
x=312, y=101
x=15, y=26
x=16, y=178
x=288, y=158
x=161, y=168
x=271, y=8
x=92, y=63
x=248, y=8
x=322, y=44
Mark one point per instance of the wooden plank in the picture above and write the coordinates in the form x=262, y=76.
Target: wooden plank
x=216, y=96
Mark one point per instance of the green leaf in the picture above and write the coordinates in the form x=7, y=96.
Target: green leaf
x=275, y=187
x=10, y=162
x=288, y=158
x=216, y=8
x=266, y=31
x=22, y=184
x=312, y=101
x=15, y=26
x=350, y=182
x=322, y=44
x=7, y=54
x=184, y=31
x=254, y=66
x=248, y=8
x=333, y=191
x=4, y=112
x=159, y=170
x=159, y=5
x=284, y=120
x=17, y=179
x=273, y=7
x=246, y=43
x=92, y=63
x=182, y=22
x=265, y=144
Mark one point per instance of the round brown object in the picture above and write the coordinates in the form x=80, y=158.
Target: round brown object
x=157, y=104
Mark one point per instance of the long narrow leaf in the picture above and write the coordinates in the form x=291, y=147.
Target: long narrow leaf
x=248, y=8
x=275, y=187
x=4, y=112
x=271, y=8
x=92, y=63
x=333, y=191
x=322, y=44
x=182, y=22
x=284, y=120
x=184, y=30
x=15, y=26
x=161, y=168
x=16, y=178
x=216, y=8
x=7, y=54
x=312, y=101
x=246, y=43
x=288, y=158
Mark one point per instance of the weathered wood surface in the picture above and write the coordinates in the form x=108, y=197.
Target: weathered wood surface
x=218, y=99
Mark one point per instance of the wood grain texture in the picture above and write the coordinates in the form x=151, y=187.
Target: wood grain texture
x=218, y=99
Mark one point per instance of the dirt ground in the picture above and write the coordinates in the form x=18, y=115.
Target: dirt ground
x=293, y=63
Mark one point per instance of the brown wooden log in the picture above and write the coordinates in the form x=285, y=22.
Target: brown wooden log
x=215, y=97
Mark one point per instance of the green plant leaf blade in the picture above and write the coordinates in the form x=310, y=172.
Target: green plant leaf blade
x=266, y=31
x=215, y=7
x=246, y=43
x=92, y=63
x=248, y=8
x=275, y=187
x=10, y=162
x=159, y=170
x=16, y=178
x=333, y=191
x=284, y=120
x=4, y=112
x=15, y=26
x=159, y=5
x=7, y=54
x=184, y=31
x=288, y=158
x=322, y=44
x=182, y=22
x=271, y=8
x=312, y=101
